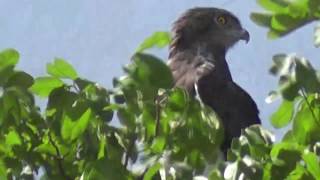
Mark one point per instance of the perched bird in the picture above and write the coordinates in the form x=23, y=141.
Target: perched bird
x=201, y=39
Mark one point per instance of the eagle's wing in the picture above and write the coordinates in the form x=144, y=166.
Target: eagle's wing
x=235, y=107
x=244, y=106
x=240, y=113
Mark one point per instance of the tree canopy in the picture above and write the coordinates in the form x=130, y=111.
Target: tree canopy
x=162, y=132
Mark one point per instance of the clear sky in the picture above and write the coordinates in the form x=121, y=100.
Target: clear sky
x=99, y=36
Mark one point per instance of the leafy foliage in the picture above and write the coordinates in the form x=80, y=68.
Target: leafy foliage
x=286, y=16
x=144, y=128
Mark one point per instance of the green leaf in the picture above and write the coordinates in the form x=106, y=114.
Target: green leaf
x=11, y=105
x=72, y=129
x=46, y=148
x=306, y=76
x=314, y=7
x=102, y=146
x=288, y=87
x=3, y=171
x=285, y=23
x=21, y=79
x=282, y=64
x=305, y=124
x=44, y=85
x=299, y=173
x=273, y=34
x=274, y=5
x=158, y=144
x=288, y=137
x=13, y=138
x=157, y=39
x=5, y=74
x=283, y=115
x=288, y=152
x=107, y=170
x=215, y=174
x=260, y=19
x=286, y=16
x=177, y=99
x=126, y=118
x=241, y=170
x=8, y=57
x=152, y=171
x=149, y=69
x=312, y=162
x=258, y=135
x=61, y=69
x=299, y=9
x=284, y=156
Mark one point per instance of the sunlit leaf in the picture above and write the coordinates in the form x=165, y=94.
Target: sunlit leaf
x=312, y=162
x=215, y=174
x=274, y=5
x=61, y=69
x=13, y=138
x=284, y=23
x=102, y=147
x=81, y=124
x=299, y=173
x=283, y=115
x=178, y=99
x=44, y=85
x=152, y=171
x=157, y=39
x=46, y=148
x=306, y=123
x=3, y=171
x=158, y=144
x=8, y=57
x=286, y=16
x=299, y=9
x=72, y=129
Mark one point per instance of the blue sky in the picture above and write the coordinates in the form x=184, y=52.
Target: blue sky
x=99, y=36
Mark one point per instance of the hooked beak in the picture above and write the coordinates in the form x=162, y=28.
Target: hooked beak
x=244, y=35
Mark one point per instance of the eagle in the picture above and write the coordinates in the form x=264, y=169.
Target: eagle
x=201, y=39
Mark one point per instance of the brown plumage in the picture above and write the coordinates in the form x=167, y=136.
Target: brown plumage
x=201, y=38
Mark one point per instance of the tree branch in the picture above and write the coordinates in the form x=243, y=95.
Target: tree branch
x=58, y=158
x=310, y=108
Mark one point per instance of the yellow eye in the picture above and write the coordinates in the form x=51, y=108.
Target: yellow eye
x=222, y=20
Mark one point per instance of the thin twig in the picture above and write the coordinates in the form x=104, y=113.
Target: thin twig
x=58, y=158
x=157, y=116
x=309, y=106
x=129, y=151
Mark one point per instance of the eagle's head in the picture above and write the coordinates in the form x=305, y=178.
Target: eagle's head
x=209, y=26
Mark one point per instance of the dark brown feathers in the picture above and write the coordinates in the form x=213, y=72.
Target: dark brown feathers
x=197, y=59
